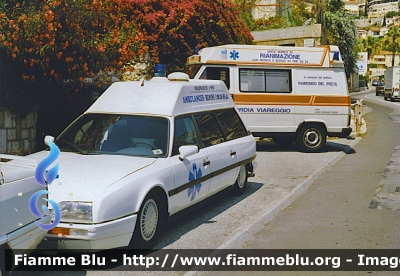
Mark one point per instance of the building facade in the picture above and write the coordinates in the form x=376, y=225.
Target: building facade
x=378, y=8
x=296, y=36
x=379, y=62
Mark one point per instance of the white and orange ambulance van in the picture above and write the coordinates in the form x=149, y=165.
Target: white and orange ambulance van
x=290, y=94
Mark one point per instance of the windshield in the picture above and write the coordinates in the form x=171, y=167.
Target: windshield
x=192, y=70
x=116, y=134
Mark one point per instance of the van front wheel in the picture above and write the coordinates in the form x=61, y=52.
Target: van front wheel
x=311, y=138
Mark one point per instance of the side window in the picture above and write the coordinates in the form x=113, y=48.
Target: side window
x=217, y=73
x=210, y=131
x=185, y=134
x=252, y=80
x=265, y=80
x=231, y=124
x=278, y=81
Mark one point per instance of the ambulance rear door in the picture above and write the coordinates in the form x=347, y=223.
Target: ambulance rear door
x=326, y=97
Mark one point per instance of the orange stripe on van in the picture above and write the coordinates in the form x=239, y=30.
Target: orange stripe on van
x=279, y=99
x=331, y=100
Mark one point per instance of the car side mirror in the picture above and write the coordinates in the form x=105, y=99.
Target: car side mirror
x=185, y=151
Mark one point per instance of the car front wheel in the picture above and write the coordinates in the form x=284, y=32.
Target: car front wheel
x=152, y=218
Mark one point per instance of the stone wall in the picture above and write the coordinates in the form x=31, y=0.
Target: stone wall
x=17, y=135
x=295, y=36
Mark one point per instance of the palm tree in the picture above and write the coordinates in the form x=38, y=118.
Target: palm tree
x=392, y=41
x=372, y=45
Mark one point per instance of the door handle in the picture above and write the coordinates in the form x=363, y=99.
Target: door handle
x=233, y=153
x=206, y=162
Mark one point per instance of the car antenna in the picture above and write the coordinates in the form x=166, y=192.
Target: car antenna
x=142, y=82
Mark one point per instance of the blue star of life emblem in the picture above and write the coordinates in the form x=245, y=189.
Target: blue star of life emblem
x=234, y=55
x=195, y=174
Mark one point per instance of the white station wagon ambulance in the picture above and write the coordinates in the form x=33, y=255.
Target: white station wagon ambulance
x=142, y=152
x=285, y=93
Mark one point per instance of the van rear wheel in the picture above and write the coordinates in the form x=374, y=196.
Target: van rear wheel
x=311, y=138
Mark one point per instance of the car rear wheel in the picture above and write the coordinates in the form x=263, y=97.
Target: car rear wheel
x=311, y=138
x=241, y=181
x=151, y=220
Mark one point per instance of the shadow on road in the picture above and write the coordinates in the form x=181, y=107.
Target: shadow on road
x=203, y=212
x=331, y=146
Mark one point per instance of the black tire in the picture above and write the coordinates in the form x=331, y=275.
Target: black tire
x=151, y=221
x=241, y=181
x=311, y=138
x=283, y=141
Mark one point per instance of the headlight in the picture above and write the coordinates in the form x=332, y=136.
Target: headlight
x=76, y=211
